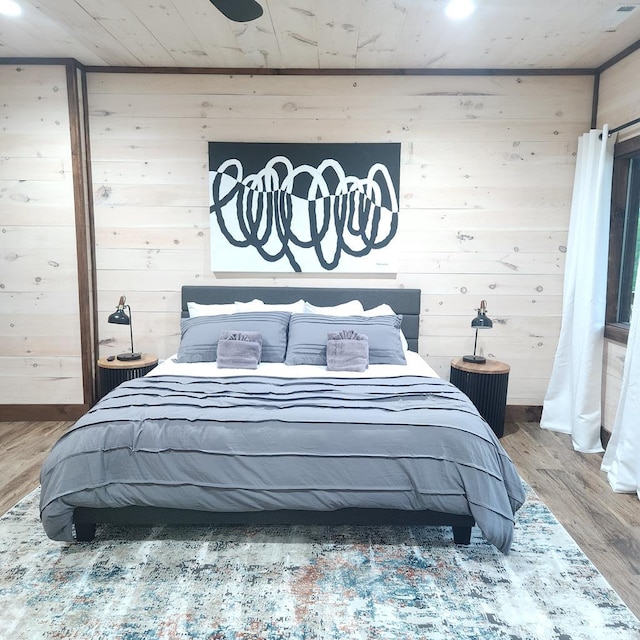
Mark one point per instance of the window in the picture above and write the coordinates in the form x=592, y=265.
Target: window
x=624, y=241
x=630, y=240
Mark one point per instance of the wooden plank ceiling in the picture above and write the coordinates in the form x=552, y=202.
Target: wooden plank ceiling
x=325, y=34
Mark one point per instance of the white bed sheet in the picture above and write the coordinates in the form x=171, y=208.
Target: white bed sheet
x=415, y=366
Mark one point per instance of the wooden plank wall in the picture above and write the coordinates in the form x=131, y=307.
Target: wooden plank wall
x=486, y=183
x=40, y=354
x=618, y=103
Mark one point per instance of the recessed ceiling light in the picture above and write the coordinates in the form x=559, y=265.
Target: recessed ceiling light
x=10, y=8
x=459, y=9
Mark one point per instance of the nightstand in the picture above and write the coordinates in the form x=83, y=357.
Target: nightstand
x=111, y=373
x=486, y=386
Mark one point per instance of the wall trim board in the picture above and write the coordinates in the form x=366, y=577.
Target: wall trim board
x=632, y=48
x=522, y=413
x=62, y=62
x=342, y=72
x=262, y=71
x=41, y=412
x=84, y=223
x=594, y=103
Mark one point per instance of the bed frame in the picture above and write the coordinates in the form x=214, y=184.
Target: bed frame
x=403, y=301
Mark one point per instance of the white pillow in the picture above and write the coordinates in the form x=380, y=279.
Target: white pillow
x=380, y=310
x=259, y=305
x=351, y=308
x=197, y=310
x=254, y=305
x=386, y=310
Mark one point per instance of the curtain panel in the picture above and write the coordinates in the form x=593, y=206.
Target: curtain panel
x=621, y=460
x=572, y=403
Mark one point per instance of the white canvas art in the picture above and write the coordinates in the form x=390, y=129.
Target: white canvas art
x=293, y=208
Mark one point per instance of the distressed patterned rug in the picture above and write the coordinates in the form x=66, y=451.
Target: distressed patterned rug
x=312, y=583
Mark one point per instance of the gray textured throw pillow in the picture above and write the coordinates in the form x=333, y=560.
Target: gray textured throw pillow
x=307, y=342
x=199, y=340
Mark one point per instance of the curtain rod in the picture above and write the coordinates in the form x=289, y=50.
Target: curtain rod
x=622, y=126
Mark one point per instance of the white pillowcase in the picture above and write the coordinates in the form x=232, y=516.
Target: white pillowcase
x=386, y=310
x=351, y=308
x=259, y=305
x=380, y=310
x=197, y=310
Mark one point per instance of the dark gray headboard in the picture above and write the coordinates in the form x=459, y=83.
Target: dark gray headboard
x=403, y=301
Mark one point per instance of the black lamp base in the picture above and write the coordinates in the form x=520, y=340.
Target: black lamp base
x=474, y=359
x=129, y=356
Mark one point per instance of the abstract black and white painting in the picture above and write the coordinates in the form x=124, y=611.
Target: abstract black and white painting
x=295, y=207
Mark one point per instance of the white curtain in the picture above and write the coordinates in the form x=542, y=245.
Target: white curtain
x=572, y=401
x=622, y=458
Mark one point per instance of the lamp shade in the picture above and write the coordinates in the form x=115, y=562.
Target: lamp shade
x=119, y=316
x=237, y=10
x=481, y=321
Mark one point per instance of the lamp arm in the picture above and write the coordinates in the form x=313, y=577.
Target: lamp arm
x=475, y=343
x=131, y=326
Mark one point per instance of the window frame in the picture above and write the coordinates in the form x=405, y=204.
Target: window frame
x=623, y=154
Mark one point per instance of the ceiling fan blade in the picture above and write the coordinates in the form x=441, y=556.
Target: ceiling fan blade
x=238, y=10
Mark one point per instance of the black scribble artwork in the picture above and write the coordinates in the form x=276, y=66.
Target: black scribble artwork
x=308, y=205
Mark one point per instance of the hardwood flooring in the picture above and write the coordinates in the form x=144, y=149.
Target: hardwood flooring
x=23, y=448
x=605, y=525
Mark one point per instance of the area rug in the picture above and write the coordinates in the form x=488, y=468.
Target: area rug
x=311, y=583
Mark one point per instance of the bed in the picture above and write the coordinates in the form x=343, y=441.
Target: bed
x=289, y=442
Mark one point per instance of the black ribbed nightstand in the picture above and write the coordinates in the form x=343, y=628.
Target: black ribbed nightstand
x=486, y=385
x=111, y=373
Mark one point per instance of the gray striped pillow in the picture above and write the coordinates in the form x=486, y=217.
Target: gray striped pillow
x=307, y=342
x=200, y=335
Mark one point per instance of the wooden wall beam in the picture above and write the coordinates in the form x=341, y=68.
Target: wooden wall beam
x=85, y=236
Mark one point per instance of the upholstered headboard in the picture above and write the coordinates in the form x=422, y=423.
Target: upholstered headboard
x=403, y=301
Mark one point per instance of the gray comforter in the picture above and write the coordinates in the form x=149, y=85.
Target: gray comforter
x=253, y=443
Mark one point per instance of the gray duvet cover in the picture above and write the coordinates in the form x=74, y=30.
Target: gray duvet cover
x=254, y=443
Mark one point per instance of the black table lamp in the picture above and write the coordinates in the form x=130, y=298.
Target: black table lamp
x=481, y=321
x=119, y=316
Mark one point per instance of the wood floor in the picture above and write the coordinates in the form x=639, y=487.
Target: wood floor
x=23, y=448
x=605, y=525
